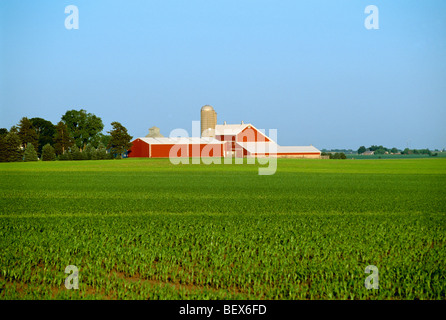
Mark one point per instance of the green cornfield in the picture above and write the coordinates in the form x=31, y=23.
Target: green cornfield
x=148, y=229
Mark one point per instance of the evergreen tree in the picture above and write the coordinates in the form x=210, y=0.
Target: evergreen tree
x=30, y=153
x=48, y=153
x=27, y=133
x=3, y=148
x=89, y=151
x=11, y=149
x=94, y=154
x=75, y=153
x=120, y=139
x=3, y=145
x=62, y=139
x=101, y=152
x=64, y=156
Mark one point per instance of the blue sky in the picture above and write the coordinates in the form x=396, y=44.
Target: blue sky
x=309, y=69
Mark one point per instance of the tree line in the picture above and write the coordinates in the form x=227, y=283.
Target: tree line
x=77, y=136
x=334, y=155
x=384, y=150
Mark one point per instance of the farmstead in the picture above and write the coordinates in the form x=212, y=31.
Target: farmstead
x=224, y=140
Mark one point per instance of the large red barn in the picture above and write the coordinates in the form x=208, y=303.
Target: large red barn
x=176, y=147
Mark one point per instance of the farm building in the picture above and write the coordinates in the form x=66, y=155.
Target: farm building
x=176, y=147
x=154, y=132
x=245, y=140
x=239, y=140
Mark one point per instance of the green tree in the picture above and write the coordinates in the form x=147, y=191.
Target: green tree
x=89, y=152
x=101, y=152
x=394, y=150
x=64, y=156
x=3, y=131
x=339, y=155
x=27, y=133
x=94, y=154
x=75, y=153
x=425, y=151
x=10, y=146
x=378, y=149
x=62, y=138
x=45, y=131
x=3, y=148
x=100, y=138
x=48, y=153
x=83, y=126
x=361, y=150
x=30, y=153
x=120, y=139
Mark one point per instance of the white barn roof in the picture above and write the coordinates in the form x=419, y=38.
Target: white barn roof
x=230, y=129
x=272, y=147
x=259, y=147
x=185, y=140
x=297, y=149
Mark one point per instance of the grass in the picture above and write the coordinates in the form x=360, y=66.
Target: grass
x=147, y=229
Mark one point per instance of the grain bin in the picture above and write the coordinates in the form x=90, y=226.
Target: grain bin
x=208, y=121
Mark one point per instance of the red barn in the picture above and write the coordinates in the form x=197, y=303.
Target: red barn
x=245, y=140
x=234, y=134
x=177, y=147
x=239, y=140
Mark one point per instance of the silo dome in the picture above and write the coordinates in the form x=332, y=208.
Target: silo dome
x=207, y=108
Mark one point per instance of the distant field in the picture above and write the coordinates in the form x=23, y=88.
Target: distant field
x=147, y=229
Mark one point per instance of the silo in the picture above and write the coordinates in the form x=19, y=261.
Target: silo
x=208, y=121
x=154, y=132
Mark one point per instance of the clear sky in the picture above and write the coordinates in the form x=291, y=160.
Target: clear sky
x=309, y=69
